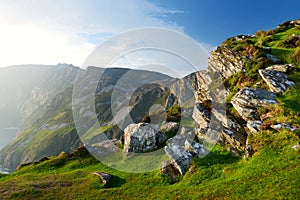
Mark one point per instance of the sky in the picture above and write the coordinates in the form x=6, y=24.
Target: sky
x=53, y=31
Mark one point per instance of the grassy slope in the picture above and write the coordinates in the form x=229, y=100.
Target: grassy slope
x=272, y=173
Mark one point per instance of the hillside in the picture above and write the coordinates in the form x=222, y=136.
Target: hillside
x=261, y=74
x=44, y=108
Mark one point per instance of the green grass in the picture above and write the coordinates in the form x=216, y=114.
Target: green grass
x=272, y=173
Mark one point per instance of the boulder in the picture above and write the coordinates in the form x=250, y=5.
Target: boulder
x=273, y=58
x=282, y=68
x=181, y=149
x=276, y=80
x=142, y=137
x=179, y=157
x=195, y=148
x=247, y=100
x=103, y=176
x=285, y=126
x=254, y=126
x=170, y=171
x=169, y=127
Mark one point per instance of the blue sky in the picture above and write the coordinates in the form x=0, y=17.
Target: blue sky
x=53, y=31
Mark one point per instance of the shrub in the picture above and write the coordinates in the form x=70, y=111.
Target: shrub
x=174, y=114
x=260, y=33
x=297, y=55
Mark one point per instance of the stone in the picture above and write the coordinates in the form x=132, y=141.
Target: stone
x=181, y=149
x=285, y=126
x=103, y=176
x=225, y=61
x=247, y=100
x=296, y=146
x=169, y=127
x=179, y=157
x=273, y=58
x=201, y=117
x=248, y=151
x=282, y=68
x=142, y=137
x=195, y=148
x=276, y=80
x=254, y=126
x=223, y=129
x=170, y=171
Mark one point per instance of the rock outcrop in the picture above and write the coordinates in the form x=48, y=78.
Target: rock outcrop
x=226, y=61
x=231, y=131
x=247, y=100
x=142, y=137
x=276, y=80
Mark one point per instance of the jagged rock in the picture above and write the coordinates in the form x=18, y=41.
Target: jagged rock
x=142, y=137
x=234, y=138
x=181, y=150
x=201, y=117
x=180, y=139
x=103, y=176
x=169, y=170
x=169, y=127
x=282, y=68
x=195, y=148
x=247, y=100
x=248, y=151
x=277, y=81
x=254, y=126
x=230, y=131
x=296, y=146
x=273, y=58
x=285, y=126
x=179, y=157
x=226, y=61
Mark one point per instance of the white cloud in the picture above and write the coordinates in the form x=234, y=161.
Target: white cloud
x=49, y=32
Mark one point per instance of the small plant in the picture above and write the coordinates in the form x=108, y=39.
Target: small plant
x=297, y=55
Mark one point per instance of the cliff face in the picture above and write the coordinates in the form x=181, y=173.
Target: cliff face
x=43, y=96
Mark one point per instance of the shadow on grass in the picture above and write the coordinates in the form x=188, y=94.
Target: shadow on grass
x=114, y=182
x=216, y=158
